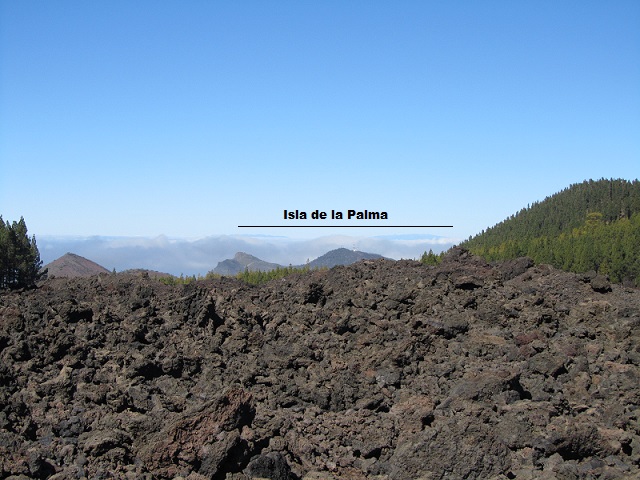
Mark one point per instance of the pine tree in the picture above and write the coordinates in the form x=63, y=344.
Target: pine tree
x=20, y=262
x=430, y=258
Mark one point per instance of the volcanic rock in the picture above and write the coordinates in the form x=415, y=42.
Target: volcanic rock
x=377, y=370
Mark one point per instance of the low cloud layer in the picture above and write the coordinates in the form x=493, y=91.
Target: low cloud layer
x=192, y=257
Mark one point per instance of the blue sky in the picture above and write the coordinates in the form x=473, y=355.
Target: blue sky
x=190, y=118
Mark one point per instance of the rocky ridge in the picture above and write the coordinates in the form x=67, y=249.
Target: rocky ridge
x=381, y=369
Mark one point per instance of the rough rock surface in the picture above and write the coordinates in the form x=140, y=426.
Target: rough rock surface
x=382, y=369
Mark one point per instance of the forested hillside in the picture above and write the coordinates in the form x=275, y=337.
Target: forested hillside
x=594, y=225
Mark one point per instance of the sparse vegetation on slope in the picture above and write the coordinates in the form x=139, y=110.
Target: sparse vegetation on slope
x=430, y=258
x=259, y=277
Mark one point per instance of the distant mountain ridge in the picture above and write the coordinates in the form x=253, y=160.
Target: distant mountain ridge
x=71, y=265
x=339, y=256
x=198, y=256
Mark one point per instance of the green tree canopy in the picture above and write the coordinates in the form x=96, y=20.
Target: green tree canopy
x=430, y=258
x=20, y=262
x=594, y=225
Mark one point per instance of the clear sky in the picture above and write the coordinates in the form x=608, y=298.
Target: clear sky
x=189, y=118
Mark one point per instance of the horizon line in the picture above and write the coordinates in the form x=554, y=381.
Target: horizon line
x=345, y=226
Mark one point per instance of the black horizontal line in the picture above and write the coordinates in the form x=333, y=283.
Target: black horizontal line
x=345, y=226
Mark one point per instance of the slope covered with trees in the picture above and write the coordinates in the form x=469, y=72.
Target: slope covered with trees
x=593, y=225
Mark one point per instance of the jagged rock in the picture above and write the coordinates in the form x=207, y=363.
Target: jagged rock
x=601, y=284
x=272, y=466
x=208, y=439
x=513, y=268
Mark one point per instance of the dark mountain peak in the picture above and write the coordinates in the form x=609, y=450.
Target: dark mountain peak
x=245, y=258
x=242, y=261
x=71, y=265
x=342, y=256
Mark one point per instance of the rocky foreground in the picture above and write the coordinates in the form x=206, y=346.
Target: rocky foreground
x=387, y=370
